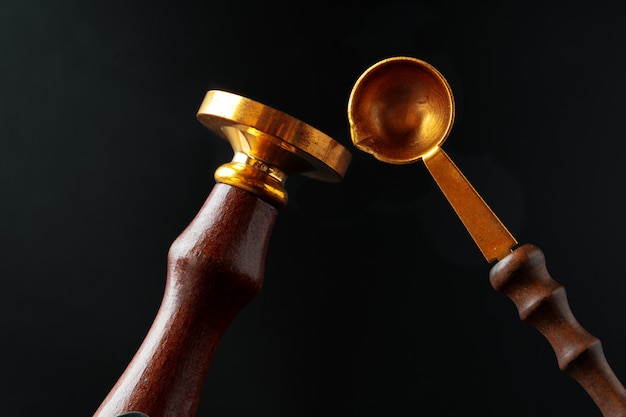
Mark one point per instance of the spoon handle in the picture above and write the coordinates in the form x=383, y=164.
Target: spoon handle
x=542, y=302
x=491, y=236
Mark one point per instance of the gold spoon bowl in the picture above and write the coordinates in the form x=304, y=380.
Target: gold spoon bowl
x=401, y=109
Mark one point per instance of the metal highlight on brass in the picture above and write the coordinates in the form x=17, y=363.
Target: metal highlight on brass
x=268, y=146
x=401, y=110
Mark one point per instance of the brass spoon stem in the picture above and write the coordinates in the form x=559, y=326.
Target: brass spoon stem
x=491, y=236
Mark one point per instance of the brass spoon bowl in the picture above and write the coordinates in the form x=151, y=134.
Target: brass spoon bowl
x=400, y=109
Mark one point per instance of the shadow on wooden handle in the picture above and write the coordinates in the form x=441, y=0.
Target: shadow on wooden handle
x=542, y=302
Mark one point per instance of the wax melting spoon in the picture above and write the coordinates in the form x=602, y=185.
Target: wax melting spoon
x=401, y=110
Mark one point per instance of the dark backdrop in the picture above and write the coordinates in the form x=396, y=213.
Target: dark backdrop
x=376, y=302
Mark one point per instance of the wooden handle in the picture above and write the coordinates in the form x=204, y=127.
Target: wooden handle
x=542, y=302
x=215, y=267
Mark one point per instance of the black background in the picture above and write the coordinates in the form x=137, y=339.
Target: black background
x=375, y=302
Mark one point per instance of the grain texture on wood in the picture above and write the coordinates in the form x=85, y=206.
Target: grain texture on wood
x=542, y=302
x=215, y=267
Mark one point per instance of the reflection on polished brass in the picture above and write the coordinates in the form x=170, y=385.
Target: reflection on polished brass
x=268, y=146
x=400, y=110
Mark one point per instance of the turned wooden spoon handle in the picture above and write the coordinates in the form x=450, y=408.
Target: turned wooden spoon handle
x=542, y=302
x=215, y=267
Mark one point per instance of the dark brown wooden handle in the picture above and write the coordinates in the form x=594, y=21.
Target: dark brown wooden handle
x=542, y=302
x=215, y=267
